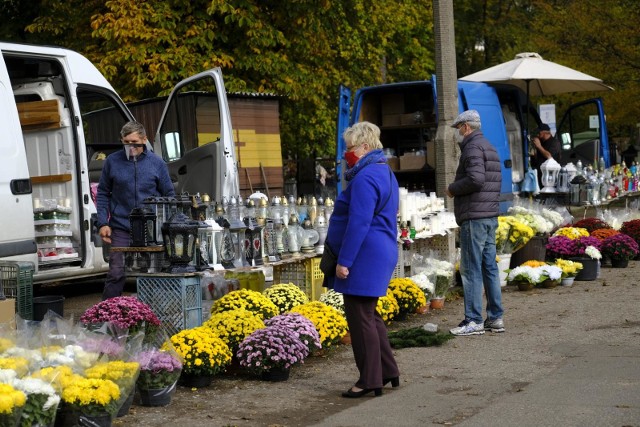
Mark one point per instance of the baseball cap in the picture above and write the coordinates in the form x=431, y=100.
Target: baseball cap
x=466, y=117
x=541, y=128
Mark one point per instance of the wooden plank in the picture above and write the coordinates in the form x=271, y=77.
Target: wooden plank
x=48, y=179
x=37, y=114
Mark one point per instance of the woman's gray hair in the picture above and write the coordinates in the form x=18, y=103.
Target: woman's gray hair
x=363, y=133
x=131, y=127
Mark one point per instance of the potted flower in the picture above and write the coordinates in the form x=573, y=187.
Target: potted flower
x=271, y=352
x=42, y=402
x=524, y=276
x=620, y=249
x=233, y=326
x=603, y=233
x=329, y=322
x=159, y=373
x=299, y=324
x=550, y=276
x=512, y=234
x=94, y=401
x=570, y=270
x=124, y=374
x=592, y=224
x=632, y=229
x=124, y=312
x=408, y=295
x=388, y=307
x=286, y=296
x=204, y=355
x=11, y=405
x=583, y=249
x=572, y=232
x=248, y=300
x=333, y=299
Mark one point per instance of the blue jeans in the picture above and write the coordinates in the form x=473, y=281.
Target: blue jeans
x=478, y=268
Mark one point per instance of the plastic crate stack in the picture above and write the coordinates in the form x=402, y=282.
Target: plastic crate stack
x=16, y=281
x=305, y=274
x=175, y=299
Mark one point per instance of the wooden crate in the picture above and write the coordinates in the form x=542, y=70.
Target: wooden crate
x=39, y=114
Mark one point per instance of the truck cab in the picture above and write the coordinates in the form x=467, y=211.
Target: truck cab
x=61, y=119
x=406, y=113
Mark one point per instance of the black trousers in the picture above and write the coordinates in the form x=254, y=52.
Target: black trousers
x=371, y=348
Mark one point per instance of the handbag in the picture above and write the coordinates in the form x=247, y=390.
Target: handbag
x=328, y=262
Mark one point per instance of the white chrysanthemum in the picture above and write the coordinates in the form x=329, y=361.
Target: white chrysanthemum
x=424, y=283
x=553, y=272
x=33, y=356
x=593, y=252
x=7, y=375
x=37, y=386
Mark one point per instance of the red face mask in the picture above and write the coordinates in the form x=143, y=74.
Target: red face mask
x=351, y=158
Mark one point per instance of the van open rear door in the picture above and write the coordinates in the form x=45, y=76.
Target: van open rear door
x=344, y=109
x=195, y=137
x=583, y=134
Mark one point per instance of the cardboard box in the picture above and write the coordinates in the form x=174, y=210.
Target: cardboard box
x=391, y=120
x=392, y=103
x=8, y=311
x=412, y=162
x=394, y=163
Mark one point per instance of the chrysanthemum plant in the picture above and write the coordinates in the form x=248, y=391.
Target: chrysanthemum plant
x=159, y=369
x=203, y=352
x=271, y=347
x=330, y=324
x=233, y=326
x=246, y=299
x=299, y=324
x=286, y=296
x=124, y=312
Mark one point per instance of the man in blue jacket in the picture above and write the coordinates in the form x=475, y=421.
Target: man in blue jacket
x=128, y=177
x=476, y=193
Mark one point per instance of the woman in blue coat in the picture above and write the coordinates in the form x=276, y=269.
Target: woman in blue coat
x=362, y=232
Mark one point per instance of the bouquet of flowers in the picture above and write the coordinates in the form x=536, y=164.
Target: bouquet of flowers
x=553, y=217
x=12, y=402
x=19, y=365
x=286, y=296
x=388, y=307
x=202, y=351
x=123, y=374
x=333, y=299
x=158, y=369
x=58, y=376
x=70, y=355
x=5, y=344
x=525, y=273
x=532, y=218
x=248, y=300
x=408, y=295
x=632, y=229
x=422, y=280
x=569, y=268
x=91, y=396
x=233, y=326
x=562, y=246
x=42, y=402
x=592, y=224
x=299, y=324
x=572, y=232
x=124, y=312
x=619, y=247
x=271, y=347
x=511, y=234
x=329, y=322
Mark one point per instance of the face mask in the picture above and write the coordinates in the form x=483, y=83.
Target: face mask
x=351, y=158
x=129, y=150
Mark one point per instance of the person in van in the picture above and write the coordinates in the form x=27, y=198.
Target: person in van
x=129, y=176
x=547, y=146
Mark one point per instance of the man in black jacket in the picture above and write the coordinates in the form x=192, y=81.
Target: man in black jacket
x=476, y=193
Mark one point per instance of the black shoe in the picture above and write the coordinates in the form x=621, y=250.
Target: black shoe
x=354, y=394
x=395, y=382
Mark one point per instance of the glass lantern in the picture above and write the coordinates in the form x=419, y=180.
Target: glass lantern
x=180, y=234
x=293, y=235
x=321, y=228
x=142, y=229
x=550, y=170
x=563, y=185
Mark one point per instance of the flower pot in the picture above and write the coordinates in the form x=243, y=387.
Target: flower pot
x=524, y=286
x=568, y=281
x=275, y=374
x=158, y=396
x=193, y=380
x=346, y=339
x=437, y=303
x=126, y=405
x=619, y=263
x=99, y=420
x=536, y=249
x=549, y=283
x=589, y=269
x=423, y=309
x=503, y=264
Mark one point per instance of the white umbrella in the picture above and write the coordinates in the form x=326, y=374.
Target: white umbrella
x=538, y=77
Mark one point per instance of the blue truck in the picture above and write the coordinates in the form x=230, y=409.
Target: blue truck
x=406, y=113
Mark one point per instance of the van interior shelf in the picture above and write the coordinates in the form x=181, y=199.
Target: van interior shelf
x=48, y=179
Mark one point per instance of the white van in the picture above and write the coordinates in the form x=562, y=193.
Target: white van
x=60, y=119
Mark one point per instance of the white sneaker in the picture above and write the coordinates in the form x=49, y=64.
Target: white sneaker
x=471, y=328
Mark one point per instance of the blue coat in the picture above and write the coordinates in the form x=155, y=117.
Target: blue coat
x=124, y=184
x=366, y=244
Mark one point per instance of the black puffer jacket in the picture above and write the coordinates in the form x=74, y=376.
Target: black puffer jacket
x=478, y=179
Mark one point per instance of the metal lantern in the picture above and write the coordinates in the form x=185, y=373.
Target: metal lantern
x=180, y=234
x=142, y=229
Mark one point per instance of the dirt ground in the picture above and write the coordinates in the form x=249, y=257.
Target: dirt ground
x=536, y=321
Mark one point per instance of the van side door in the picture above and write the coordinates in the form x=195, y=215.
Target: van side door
x=583, y=134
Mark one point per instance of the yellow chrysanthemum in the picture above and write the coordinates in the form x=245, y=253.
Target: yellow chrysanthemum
x=388, y=307
x=247, y=299
x=286, y=296
x=18, y=364
x=204, y=353
x=10, y=399
x=408, y=295
x=328, y=321
x=572, y=232
x=91, y=395
x=233, y=326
